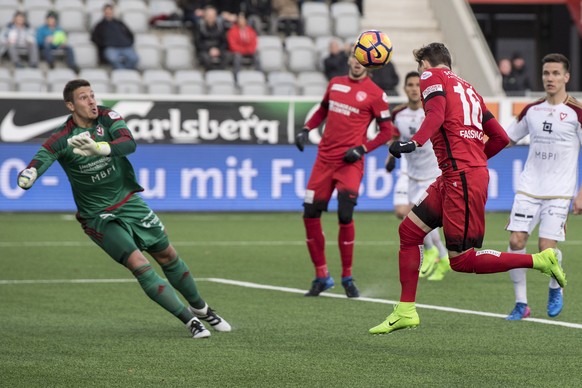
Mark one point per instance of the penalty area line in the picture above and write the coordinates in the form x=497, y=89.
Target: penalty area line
x=259, y=286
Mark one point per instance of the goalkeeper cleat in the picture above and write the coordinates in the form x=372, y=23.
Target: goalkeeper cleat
x=319, y=285
x=547, y=263
x=404, y=316
x=216, y=321
x=197, y=329
x=350, y=287
x=519, y=312
x=441, y=268
x=555, y=302
x=429, y=258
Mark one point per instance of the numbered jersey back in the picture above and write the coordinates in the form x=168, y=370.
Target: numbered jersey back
x=459, y=143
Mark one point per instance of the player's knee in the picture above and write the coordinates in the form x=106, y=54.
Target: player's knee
x=311, y=211
x=517, y=241
x=410, y=233
x=345, y=207
x=465, y=262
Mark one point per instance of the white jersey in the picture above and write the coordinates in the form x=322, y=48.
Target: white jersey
x=551, y=169
x=422, y=164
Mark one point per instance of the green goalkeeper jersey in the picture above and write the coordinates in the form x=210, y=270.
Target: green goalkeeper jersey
x=99, y=183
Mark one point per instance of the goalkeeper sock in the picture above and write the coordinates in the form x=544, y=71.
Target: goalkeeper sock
x=161, y=292
x=181, y=279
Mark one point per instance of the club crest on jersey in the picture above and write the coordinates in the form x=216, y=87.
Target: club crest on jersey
x=563, y=116
x=547, y=127
x=427, y=74
x=99, y=130
x=361, y=96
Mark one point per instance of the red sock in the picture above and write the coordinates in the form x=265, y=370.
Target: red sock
x=316, y=245
x=346, y=237
x=490, y=261
x=411, y=244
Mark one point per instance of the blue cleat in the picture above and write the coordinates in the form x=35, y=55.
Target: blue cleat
x=520, y=311
x=555, y=302
x=319, y=285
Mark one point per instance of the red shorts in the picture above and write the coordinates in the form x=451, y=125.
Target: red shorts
x=327, y=176
x=458, y=205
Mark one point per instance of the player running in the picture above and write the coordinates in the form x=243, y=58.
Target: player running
x=91, y=147
x=456, y=122
x=350, y=104
x=421, y=170
x=548, y=181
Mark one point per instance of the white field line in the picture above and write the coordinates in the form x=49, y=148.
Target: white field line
x=65, y=244
x=297, y=291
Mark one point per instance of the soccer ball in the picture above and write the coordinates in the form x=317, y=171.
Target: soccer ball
x=373, y=49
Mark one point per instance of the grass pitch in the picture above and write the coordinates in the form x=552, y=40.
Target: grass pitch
x=71, y=317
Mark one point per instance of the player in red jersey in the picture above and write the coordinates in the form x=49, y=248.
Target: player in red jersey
x=456, y=122
x=350, y=104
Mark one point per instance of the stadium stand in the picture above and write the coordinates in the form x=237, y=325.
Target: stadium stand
x=158, y=81
x=220, y=82
x=312, y=83
x=29, y=80
x=98, y=78
x=252, y=82
x=57, y=78
x=126, y=81
x=71, y=15
x=6, y=83
x=190, y=82
x=282, y=83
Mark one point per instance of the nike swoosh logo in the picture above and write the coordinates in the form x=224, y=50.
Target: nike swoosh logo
x=10, y=132
x=393, y=323
x=378, y=53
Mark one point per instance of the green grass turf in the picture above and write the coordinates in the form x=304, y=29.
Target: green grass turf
x=112, y=335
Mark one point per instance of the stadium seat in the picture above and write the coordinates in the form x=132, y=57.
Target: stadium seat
x=220, y=82
x=252, y=82
x=309, y=8
x=282, y=83
x=343, y=8
x=98, y=78
x=36, y=11
x=72, y=16
x=190, y=82
x=57, y=79
x=29, y=80
x=271, y=53
x=159, y=10
x=312, y=83
x=6, y=82
x=346, y=26
x=158, y=81
x=85, y=54
x=300, y=53
x=138, y=20
x=317, y=25
x=126, y=81
x=78, y=37
x=7, y=10
x=179, y=52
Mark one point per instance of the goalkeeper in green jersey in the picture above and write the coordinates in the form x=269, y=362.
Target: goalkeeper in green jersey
x=91, y=146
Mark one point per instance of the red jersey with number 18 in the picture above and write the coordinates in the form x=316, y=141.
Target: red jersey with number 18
x=458, y=143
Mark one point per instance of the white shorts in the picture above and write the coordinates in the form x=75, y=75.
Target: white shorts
x=551, y=214
x=416, y=189
x=401, y=191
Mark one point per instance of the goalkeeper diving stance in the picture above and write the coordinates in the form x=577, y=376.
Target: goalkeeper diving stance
x=91, y=146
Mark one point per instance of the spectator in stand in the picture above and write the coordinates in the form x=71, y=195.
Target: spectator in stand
x=228, y=11
x=258, y=13
x=192, y=10
x=242, y=43
x=211, y=43
x=386, y=78
x=18, y=36
x=508, y=81
x=336, y=63
x=288, y=16
x=519, y=72
x=52, y=38
x=115, y=41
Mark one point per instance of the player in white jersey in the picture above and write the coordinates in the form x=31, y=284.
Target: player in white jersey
x=548, y=182
x=421, y=170
x=400, y=200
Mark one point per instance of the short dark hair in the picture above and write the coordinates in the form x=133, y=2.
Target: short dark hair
x=435, y=53
x=557, y=58
x=410, y=74
x=71, y=86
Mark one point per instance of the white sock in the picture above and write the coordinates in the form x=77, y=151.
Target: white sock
x=201, y=311
x=518, y=276
x=436, y=240
x=427, y=242
x=553, y=282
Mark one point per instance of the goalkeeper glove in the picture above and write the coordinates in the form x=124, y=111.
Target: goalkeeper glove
x=301, y=139
x=354, y=154
x=397, y=148
x=390, y=164
x=85, y=146
x=27, y=177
